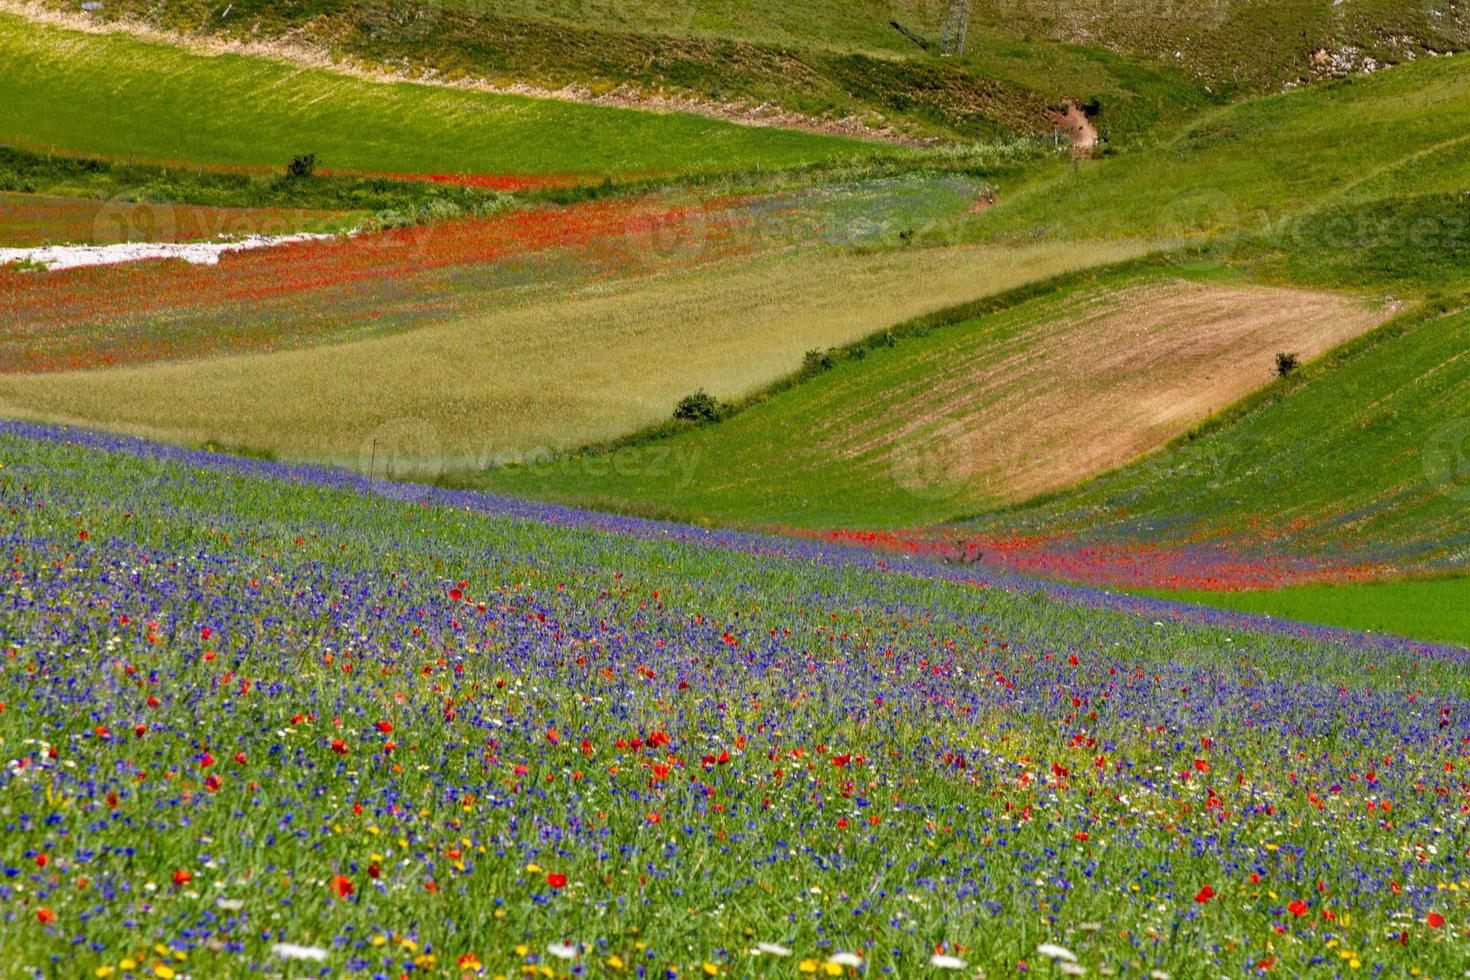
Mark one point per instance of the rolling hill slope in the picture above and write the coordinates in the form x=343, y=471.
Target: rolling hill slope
x=1358, y=458
x=1248, y=167
x=1135, y=65
x=470, y=673
x=1377, y=214
x=829, y=66
x=609, y=357
x=998, y=408
x=162, y=103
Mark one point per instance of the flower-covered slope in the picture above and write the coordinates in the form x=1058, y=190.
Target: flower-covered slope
x=259, y=719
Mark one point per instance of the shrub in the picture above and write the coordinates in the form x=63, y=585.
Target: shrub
x=700, y=407
x=301, y=165
x=1287, y=363
x=815, y=362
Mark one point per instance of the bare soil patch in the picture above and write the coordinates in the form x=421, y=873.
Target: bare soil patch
x=1021, y=412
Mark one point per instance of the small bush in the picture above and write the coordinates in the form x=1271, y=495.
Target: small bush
x=301, y=165
x=700, y=407
x=815, y=362
x=1286, y=364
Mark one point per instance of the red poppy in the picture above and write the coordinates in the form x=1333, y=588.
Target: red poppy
x=342, y=886
x=384, y=726
x=44, y=916
x=1298, y=908
x=1435, y=920
x=556, y=880
x=339, y=746
x=1204, y=894
x=182, y=877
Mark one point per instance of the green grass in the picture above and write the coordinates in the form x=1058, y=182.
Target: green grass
x=1419, y=244
x=1435, y=609
x=119, y=97
x=1140, y=65
x=824, y=60
x=1238, y=44
x=960, y=413
x=1240, y=170
x=24, y=172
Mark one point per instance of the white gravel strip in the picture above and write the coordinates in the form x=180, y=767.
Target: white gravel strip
x=55, y=257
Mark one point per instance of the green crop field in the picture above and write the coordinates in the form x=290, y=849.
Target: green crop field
x=1138, y=66
x=119, y=97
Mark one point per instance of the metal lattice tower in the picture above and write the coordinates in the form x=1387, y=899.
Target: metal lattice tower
x=956, y=27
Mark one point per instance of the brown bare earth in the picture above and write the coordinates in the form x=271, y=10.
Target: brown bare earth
x=1073, y=123
x=1032, y=407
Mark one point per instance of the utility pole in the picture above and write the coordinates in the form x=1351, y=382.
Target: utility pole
x=956, y=27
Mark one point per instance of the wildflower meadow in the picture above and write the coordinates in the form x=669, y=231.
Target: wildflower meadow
x=264, y=720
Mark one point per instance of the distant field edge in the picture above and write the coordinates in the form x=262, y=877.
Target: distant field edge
x=1434, y=609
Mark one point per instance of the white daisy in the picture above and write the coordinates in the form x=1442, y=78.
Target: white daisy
x=291, y=951
x=562, y=951
x=1057, y=952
